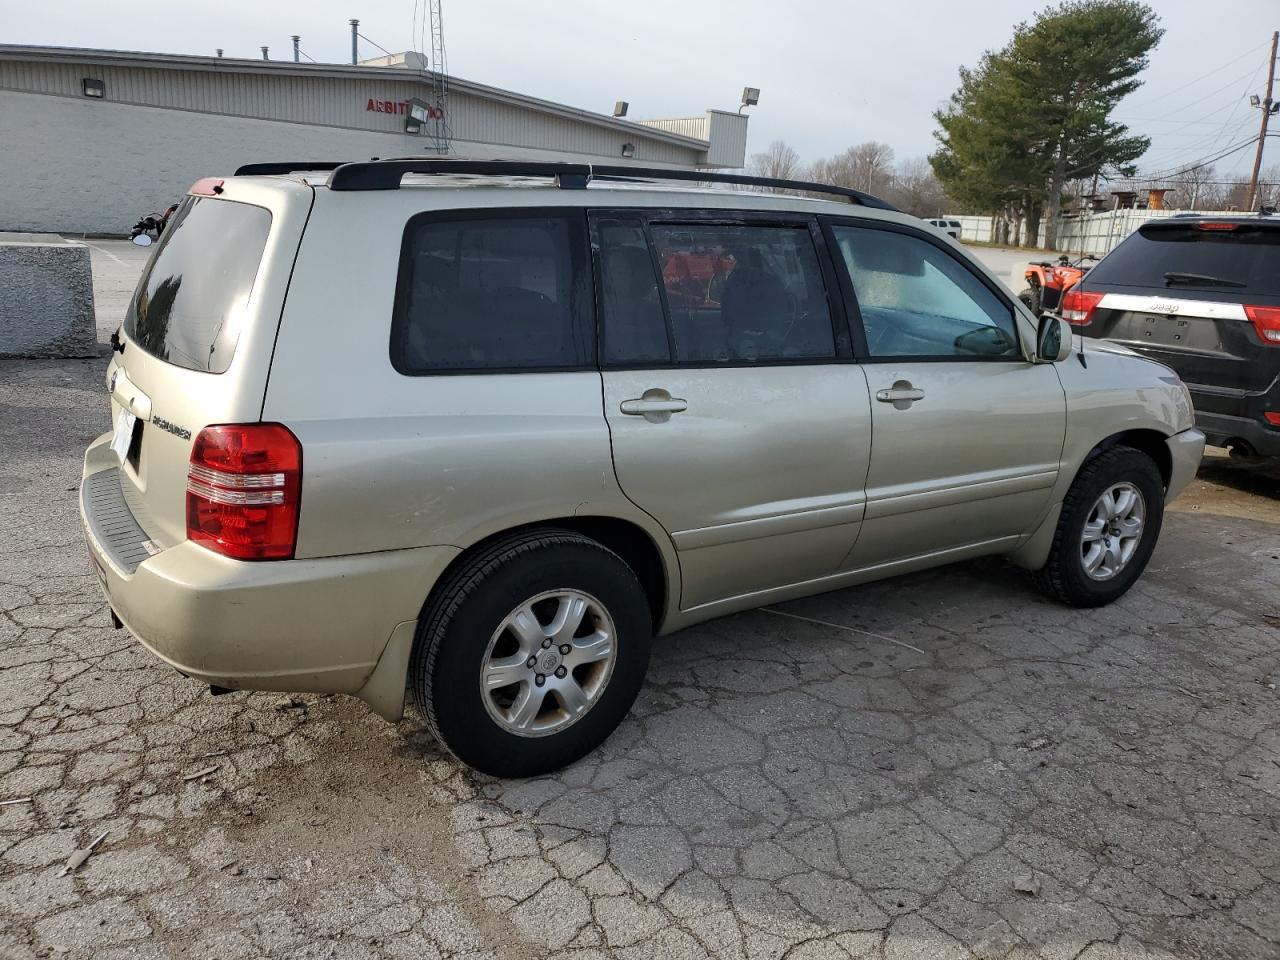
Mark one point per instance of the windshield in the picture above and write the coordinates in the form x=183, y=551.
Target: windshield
x=191, y=299
x=1247, y=257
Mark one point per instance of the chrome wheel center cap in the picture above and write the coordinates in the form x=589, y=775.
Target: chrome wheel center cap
x=548, y=661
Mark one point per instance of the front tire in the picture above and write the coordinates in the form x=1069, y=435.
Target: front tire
x=531, y=652
x=1107, y=529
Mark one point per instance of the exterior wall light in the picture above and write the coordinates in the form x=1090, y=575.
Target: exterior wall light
x=620, y=108
x=750, y=97
x=93, y=88
x=628, y=149
x=416, y=117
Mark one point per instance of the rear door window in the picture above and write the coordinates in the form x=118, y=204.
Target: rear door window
x=1244, y=258
x=190, y=303
x=742, y=292
x=507, y=293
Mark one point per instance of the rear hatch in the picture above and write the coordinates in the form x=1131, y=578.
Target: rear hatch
x=196, y=341
x=1189, y=293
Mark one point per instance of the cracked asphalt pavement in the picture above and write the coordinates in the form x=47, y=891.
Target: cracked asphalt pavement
x=940, y=765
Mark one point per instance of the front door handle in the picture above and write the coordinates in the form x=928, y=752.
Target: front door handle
x=656, y=406
x=902, y=394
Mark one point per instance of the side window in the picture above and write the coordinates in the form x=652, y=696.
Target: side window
x=743, y=293
x=634, y=326
x=500, y=294
x=918, y=301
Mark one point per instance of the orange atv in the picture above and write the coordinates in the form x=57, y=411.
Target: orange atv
x=1046, y=282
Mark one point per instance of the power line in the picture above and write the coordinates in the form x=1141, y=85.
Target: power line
x=1178, y=171
x=1211, y=93
x=1230, y=63
x=1252, y=81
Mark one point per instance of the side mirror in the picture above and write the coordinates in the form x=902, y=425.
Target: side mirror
x=1053, y=339
x=142, y=240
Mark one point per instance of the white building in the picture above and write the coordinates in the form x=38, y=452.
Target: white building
x=93, y=139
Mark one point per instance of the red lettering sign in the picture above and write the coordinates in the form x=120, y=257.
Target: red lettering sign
x=400, y=107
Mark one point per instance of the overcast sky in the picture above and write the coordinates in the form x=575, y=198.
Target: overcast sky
x=831, y=74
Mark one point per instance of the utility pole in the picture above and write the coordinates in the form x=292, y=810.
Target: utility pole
x=1266, y=116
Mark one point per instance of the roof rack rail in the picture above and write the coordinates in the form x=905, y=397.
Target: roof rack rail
x=289, y=166
x=386, y=175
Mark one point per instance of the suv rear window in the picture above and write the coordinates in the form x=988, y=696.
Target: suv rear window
x=1248, y=255
x=190, y=302
x=503, y=293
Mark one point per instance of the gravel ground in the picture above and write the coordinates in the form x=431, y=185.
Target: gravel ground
x=939, y=765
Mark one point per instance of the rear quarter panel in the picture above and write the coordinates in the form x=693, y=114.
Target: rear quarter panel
x=191, y=399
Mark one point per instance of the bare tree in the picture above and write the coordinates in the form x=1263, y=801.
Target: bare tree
x=867, y=167
x=915, y=190
x=779, y=161
x=1197, y=188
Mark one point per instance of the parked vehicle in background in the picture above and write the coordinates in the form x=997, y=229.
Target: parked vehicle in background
x=950, y=227
x=1046, y=281
x=1201, y=295
x=544, y=412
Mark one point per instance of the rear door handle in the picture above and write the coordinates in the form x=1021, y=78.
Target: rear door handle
x=654, y=409
x=902, y=394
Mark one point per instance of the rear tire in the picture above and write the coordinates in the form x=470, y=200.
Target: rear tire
x=508, y=614
x=1107, y=530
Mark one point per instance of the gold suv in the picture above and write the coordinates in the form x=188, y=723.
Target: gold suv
x=484, y=429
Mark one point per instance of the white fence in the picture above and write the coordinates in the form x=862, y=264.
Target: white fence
x=1090, y=233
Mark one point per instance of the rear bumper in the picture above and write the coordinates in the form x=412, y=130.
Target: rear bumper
x=1222, y=429
x=1185, y=452
x=317, y=625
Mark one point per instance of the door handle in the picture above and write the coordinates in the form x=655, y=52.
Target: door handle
x=655, y=406
x=902, y=394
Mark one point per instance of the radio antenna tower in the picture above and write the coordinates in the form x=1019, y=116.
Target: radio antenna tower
x=440, y=132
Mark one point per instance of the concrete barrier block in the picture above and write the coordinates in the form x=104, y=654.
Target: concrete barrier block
x=46, y=297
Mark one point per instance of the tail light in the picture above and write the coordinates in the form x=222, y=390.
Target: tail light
x=1217, y=226
x=243, y=490
x=1272, y=417
x=1078, y=305
x=1266, y=320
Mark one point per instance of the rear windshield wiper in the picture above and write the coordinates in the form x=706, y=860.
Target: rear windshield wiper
x=1199, y=280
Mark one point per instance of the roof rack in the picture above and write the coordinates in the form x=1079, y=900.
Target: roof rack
x=278, y=169
x=386, y=175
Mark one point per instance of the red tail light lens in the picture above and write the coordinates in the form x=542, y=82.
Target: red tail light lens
x=1266, y=320
x=1272, y=417
x=1216, y=225
x=1078, y=305
x=243, y=490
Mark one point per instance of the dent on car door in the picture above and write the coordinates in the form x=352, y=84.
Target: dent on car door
x=967, y=433
x=737, y=417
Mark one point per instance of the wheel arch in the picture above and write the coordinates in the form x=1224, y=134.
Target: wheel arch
x=654, y=568
x=1032, y=553
x=1145, y=440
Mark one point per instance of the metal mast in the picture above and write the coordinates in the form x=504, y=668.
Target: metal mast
x=440, y=132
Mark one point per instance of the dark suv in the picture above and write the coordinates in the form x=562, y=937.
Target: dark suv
x=1201, y=295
